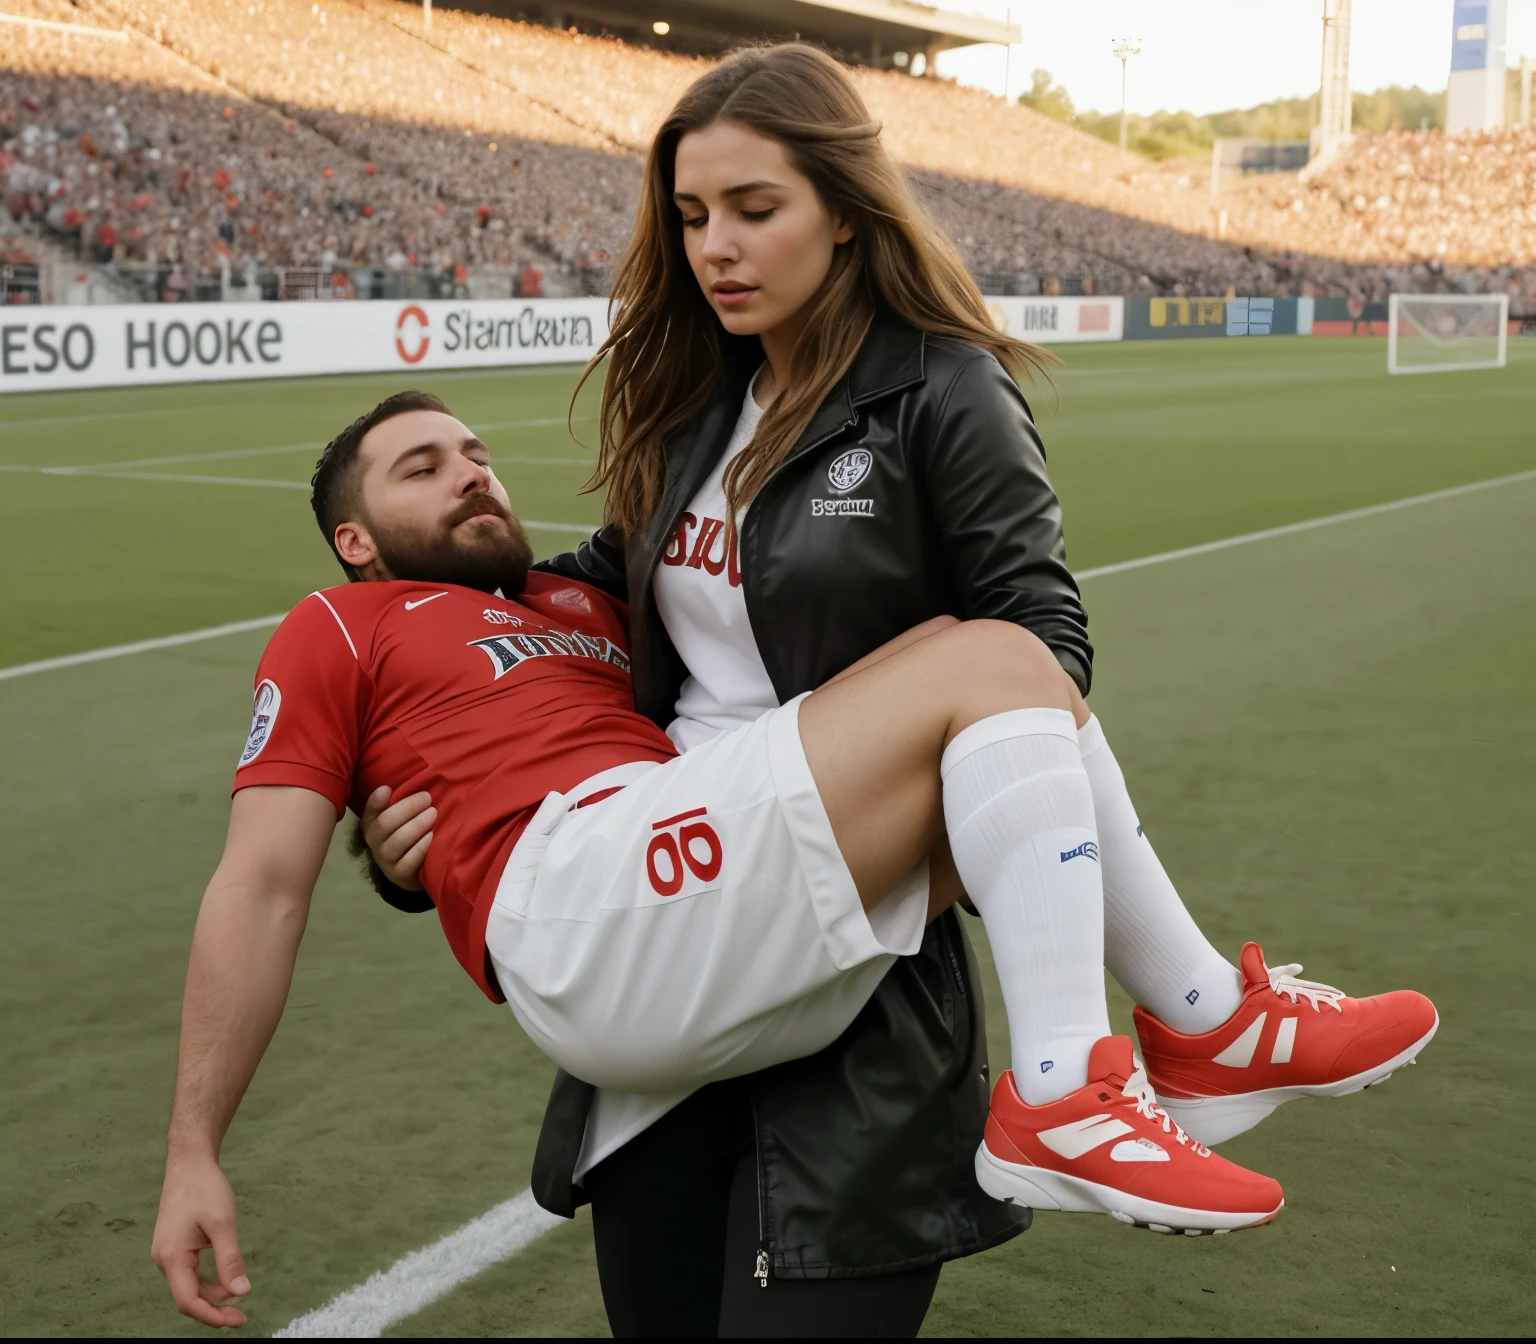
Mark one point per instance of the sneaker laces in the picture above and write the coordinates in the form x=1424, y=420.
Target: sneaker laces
x=1139, y=1090
x=1284, y=980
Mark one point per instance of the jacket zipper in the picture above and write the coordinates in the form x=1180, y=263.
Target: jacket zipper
x=760, y=1269
x=954, y=962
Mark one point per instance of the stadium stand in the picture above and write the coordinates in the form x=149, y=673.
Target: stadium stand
x=232, y=138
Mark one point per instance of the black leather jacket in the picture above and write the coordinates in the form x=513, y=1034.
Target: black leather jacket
x=919, y=489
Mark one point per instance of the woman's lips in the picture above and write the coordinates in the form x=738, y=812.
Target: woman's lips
x=730, y=298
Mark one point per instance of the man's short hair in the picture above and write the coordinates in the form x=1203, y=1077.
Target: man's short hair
x=334, y=493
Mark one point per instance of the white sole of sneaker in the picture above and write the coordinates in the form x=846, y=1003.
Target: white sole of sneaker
x=1213, y=1120
x=1040, y=1188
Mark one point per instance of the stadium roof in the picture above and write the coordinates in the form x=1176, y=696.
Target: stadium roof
x=868, y=32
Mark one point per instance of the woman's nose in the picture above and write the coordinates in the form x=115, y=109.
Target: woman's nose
x=720, y=244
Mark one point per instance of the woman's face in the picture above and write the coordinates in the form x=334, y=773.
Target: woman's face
x=757, y=234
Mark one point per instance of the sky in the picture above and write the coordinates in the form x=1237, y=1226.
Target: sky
x=1210, y=55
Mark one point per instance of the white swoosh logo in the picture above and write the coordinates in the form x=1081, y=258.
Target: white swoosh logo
x=422, y=601
x=1077, y=1137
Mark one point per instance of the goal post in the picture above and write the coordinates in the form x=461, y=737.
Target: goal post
x=1440, y=333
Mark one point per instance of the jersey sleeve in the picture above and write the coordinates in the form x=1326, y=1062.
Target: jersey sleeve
x=307, y=715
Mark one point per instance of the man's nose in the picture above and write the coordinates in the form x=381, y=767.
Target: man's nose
x=475, y=480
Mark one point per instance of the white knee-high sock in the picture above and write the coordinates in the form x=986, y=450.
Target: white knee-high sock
x=1152, y=946
x=1020, y=818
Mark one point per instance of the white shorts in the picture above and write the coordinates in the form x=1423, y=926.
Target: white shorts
x=696, y=925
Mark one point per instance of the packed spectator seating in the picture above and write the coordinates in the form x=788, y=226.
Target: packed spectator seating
x=239, y=135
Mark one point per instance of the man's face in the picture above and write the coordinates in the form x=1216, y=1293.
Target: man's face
x=432, y=509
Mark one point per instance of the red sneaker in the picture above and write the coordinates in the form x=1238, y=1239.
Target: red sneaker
x=1109, y=1148
x=1290, y=1038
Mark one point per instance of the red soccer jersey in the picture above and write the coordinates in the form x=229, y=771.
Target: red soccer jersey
x=487, y=703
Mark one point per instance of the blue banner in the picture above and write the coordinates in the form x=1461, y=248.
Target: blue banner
x=1469, y=35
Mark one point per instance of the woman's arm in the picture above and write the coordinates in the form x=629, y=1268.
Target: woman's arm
x=997, y=515
x=598, y=561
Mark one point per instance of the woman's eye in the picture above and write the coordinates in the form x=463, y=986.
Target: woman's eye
x=757, y=216
x=697, y=222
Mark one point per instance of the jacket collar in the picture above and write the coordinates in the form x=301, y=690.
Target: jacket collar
x=890, y=360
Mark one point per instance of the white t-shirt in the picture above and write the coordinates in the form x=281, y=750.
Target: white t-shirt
x=699, y=595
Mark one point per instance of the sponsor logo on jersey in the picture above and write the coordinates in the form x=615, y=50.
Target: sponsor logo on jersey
x=507, y=651
x=1086, y=850
x=681, y=847
x=708, y=551
x=263, y=716
x=850, y=469
x=842, y=508
x=422, y=601
x=497, y=617
x=572, y=599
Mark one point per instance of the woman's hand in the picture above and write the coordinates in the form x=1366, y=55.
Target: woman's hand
x=399, y=834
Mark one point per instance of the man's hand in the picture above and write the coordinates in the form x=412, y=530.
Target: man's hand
x=197, y=1210
x=243, y=950
x=399, y=835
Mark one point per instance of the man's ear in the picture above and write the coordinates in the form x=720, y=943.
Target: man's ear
x=354, y=544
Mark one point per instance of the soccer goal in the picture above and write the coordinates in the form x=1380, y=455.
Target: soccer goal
x=1438, y=333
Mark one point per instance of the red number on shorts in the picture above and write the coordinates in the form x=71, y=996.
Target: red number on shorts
x=709, y=869
x=665, y=844
x=683, y=850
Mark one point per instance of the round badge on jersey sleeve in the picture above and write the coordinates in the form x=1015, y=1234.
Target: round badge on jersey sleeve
x=850, y=469
x=263, y=716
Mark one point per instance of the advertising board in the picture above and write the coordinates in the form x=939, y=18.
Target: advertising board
x=1161, y=319
x=1051, y=320
x=126, y=345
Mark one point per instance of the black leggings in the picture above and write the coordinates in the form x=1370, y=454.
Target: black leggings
x=675, y=1220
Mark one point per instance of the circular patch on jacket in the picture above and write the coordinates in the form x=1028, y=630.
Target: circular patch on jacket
x=850, y=469
x=263, y=716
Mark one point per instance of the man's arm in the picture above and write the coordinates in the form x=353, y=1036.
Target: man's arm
x=243, y=953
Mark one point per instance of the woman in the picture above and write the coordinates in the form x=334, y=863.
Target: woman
x=812, y=442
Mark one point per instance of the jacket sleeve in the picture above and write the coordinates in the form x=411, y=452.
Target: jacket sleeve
x=997, y=515
x=598, y=561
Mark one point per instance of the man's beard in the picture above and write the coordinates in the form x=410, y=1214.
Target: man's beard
x=491, y=558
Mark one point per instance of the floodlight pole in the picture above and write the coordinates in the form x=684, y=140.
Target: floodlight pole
x=1123, y=50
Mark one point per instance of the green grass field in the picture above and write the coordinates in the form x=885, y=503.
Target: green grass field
x=1330, y=734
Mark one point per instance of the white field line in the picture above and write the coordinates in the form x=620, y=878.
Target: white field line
x=140, y=646
x=185, y=478
x=417, y=1280
x=278, y=450
x=1307, y=525
x=1144, y=562
x=227, y=454
x=446, y=375
x=94, y=416
x=584, y=529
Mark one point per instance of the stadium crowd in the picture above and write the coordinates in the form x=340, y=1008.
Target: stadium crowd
x=234, y=135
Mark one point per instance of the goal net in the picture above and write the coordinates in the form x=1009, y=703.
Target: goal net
x=1437, y=333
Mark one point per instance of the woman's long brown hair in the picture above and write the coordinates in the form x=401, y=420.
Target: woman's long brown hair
x=666, y=346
